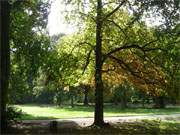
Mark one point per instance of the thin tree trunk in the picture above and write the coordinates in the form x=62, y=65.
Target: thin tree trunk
x=5, y=60
x=115, y=102
x=124, y=99
x=30, y=83
x=72, y=101
x=72, y=95
x=86, y=96
x=98, y=119
x=159, y=102
x=143, y=101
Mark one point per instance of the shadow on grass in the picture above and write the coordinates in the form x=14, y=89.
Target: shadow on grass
x=42, y=127
x=71, y=127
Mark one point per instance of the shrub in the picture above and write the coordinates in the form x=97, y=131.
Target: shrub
x=13, y=113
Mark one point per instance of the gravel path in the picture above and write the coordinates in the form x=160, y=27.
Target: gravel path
x=82, y=122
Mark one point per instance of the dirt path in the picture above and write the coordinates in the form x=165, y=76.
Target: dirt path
x=82, y=122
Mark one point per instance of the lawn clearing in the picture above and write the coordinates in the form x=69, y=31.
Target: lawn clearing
x=44, y=112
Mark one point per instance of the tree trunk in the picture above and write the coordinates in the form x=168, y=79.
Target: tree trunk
x=143, y=102
x=86, y=96
x=98, y=119
x=5, y=60
x=30, y=83
x=60, y=100
x=159, y=102
x=115, y=102
x=124, y=99
x=72, y=101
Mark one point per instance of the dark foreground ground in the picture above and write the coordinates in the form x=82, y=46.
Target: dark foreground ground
x=137, y=127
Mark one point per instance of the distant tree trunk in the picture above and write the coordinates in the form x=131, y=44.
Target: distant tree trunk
x=98, y=118
x=86, y=102
x=147, y=100
x=60, y=100
x=72, y=101
x=5, y=60
x=143, y=101
x=72, y=95
x=59, y=95
x=30, y=83
x=159, y=102
x=124, y=99
x=115, y=102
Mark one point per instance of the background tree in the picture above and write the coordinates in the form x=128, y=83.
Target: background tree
x=29, y=46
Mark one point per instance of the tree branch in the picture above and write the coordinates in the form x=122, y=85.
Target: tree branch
x=124, y=66
x=119, y=27
x=123, y=47
x=149, y=43
x=134, y=46
x=87, y=61
x=91, y=45
x=137, y=14
x=87, y=15
x=115, y=10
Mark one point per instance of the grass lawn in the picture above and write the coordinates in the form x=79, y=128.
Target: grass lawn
x=37, y=112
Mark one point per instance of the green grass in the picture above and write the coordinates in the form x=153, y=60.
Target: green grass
x=35, y=112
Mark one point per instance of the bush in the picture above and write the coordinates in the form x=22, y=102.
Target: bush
x=13, y=113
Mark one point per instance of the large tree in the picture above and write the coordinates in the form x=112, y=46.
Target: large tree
x=112, y=38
